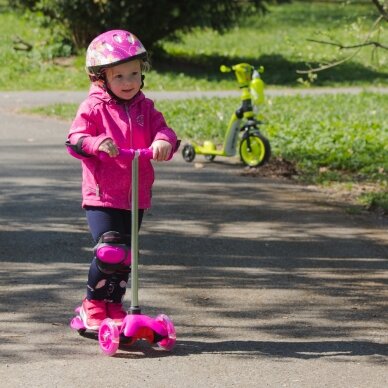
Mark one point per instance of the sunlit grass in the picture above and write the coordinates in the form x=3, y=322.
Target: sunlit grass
x=277, y=40
x=330, y=138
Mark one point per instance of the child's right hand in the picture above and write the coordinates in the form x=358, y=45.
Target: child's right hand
x=109, y=147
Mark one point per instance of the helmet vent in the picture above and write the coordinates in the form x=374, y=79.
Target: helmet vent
x=130, y=38
x=108, y=46
x=117, y=38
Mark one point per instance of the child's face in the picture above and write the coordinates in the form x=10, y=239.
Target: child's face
x=124, y=80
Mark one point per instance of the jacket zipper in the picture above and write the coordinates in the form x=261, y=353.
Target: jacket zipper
x=129, y=125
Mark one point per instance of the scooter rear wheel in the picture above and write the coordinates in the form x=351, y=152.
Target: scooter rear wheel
x=188, y=153
x=169, y=342
x=210, y=158
x=109, y=337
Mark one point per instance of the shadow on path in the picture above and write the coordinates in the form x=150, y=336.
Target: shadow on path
x=214, y=240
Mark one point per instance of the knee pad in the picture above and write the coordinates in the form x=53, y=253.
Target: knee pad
x=113, y=252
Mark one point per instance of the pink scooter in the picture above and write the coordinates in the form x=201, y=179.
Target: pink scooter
x=159, y=330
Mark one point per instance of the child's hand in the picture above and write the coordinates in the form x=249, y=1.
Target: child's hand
x=109, y=147
x=161, y=150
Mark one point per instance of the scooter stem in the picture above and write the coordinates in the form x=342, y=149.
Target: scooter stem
x=135, y=309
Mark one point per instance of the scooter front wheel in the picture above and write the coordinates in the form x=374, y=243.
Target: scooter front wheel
x=109, y=337
x=188, y=153
x=169, y=342
x=255, y=150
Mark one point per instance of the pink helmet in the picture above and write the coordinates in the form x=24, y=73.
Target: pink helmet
x=111, y=48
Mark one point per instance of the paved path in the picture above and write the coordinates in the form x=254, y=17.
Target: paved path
x=267, y=283
x=17, y=99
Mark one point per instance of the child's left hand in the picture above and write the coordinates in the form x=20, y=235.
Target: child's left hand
x=161, y=150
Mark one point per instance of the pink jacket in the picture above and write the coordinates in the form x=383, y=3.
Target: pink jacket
x=135, y=124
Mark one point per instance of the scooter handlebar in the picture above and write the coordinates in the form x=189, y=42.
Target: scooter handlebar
x=128, y=154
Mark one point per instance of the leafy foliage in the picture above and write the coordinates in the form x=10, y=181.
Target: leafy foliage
x=323, y=134
x=194, y=61
x=330, y=138
x=150, y=20
x=332, y=133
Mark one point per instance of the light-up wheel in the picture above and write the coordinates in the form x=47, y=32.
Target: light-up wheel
x=169, y=342
x=109, y=337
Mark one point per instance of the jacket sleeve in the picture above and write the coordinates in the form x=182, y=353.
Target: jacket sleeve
x=83, y=139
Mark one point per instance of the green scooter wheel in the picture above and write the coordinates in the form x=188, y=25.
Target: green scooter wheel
x=255, y=150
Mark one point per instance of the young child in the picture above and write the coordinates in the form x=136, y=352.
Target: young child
x=115, y=115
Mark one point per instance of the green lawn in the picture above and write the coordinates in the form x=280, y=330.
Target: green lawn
x=330, y=138
x=276, y=40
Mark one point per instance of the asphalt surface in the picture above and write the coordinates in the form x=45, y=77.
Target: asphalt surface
x=268, y=283
x=11, y=100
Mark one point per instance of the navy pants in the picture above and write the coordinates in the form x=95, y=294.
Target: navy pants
x=103, y=286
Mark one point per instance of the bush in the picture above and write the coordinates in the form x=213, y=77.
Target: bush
x=150, y=20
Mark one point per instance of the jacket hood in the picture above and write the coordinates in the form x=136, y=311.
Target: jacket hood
x=101, y=94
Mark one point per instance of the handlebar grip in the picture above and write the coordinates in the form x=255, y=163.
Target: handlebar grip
x=129, y=154
x=144, y=153
x=225, y=69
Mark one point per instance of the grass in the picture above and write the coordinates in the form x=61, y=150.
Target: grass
x=279, y=42
x=332, y=139
x=276, y=40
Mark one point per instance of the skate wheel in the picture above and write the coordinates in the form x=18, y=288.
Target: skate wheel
x=108, y=337
x=169, y=342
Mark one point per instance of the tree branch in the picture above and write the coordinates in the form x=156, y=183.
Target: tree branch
x=358, y=49
x=341, y=46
